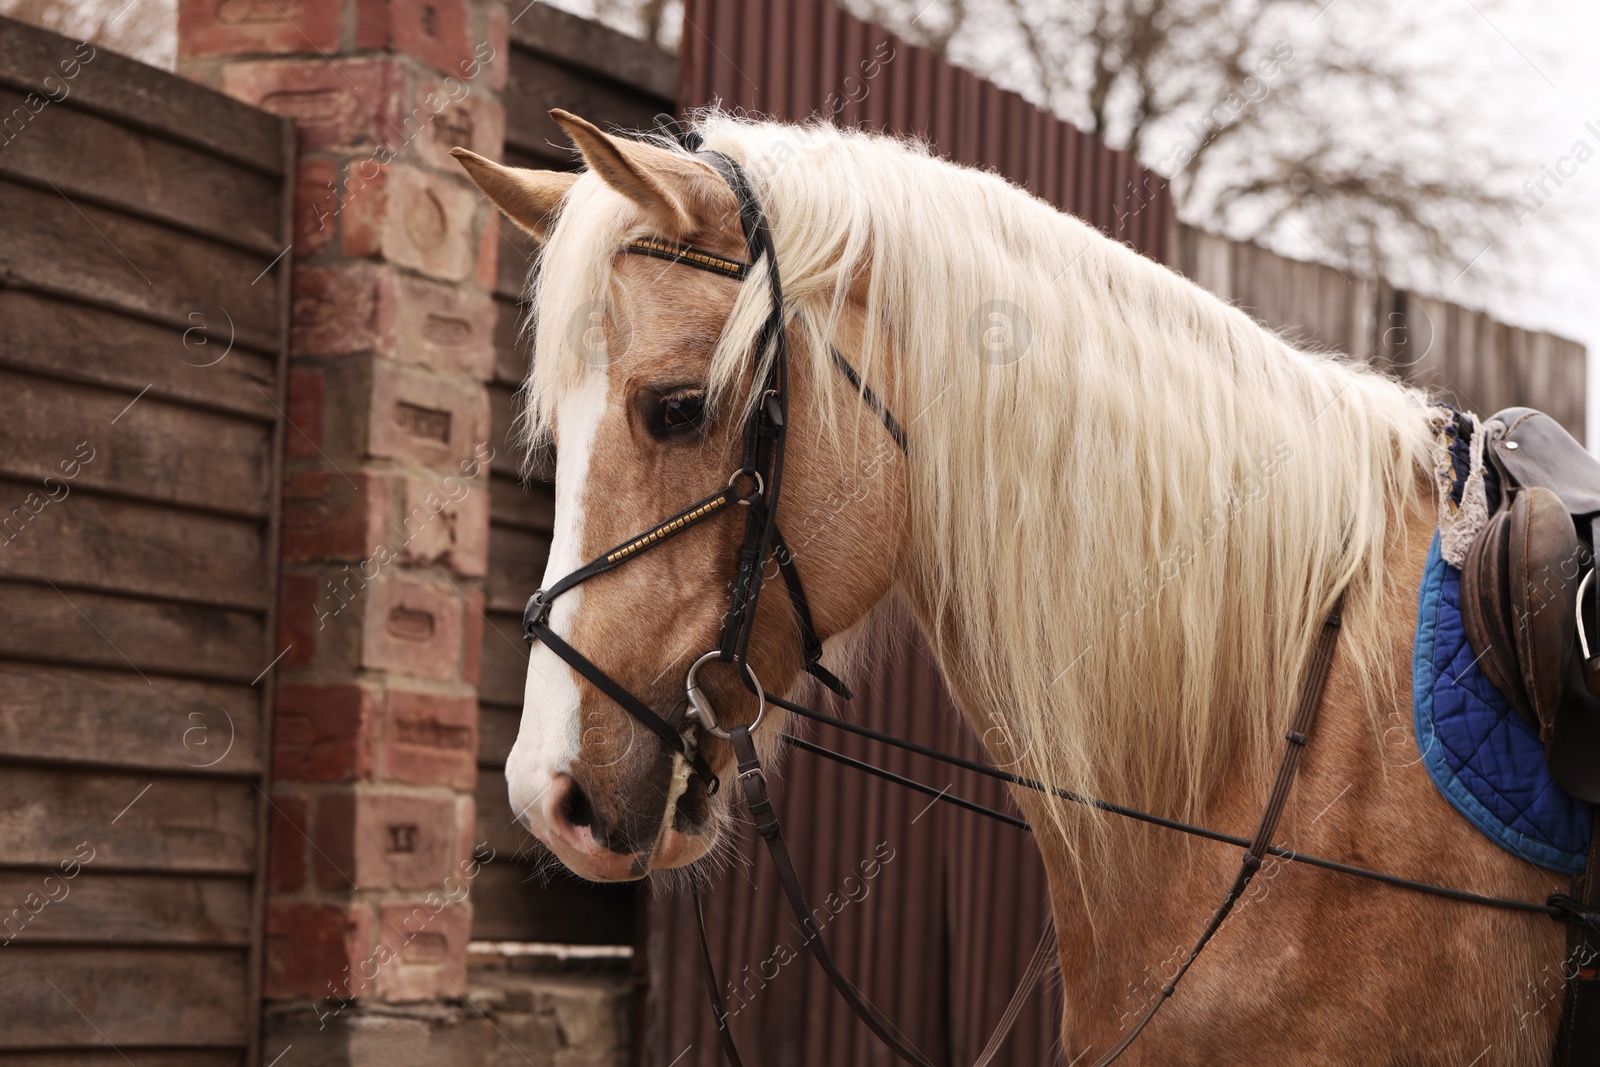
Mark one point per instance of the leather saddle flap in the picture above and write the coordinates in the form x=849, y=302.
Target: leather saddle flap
x=1486, y=614
x=1543, y=564
x=1535, y=450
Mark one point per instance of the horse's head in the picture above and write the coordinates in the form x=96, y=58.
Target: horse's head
x=643, y=382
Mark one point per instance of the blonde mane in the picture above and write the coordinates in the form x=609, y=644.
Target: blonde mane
x=1127, y=536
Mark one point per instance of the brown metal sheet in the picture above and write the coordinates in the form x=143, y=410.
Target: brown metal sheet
x=939, y=936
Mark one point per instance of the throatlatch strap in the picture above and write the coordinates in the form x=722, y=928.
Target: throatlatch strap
x=1305, y=713
x=1578, y=1035
x=809, y=641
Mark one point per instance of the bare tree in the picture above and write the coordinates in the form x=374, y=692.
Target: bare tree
x=143, y=29
x=1291, y=122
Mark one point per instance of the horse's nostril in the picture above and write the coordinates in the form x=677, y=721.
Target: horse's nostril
x=575, y=807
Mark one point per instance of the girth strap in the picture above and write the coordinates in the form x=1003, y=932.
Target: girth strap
x=1578, y=1036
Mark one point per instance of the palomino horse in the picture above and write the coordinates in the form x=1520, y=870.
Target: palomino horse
x=1123, y=515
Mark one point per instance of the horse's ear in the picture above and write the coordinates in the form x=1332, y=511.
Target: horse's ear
x=529, y=198
x=678, y=195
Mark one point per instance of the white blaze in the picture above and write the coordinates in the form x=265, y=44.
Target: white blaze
x=548, y=736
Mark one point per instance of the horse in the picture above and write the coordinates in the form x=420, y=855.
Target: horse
x=1123, y=514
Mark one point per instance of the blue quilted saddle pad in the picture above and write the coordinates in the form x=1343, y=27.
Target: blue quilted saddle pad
x=1484, y=757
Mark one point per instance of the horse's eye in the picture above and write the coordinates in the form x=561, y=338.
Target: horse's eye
x=680, y=413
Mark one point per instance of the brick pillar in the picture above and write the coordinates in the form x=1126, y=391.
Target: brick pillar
x=386, y=504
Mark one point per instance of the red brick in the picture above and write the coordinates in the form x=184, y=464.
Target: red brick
x=496, y=51
x=446, y=521
x=472, y=640
x=362, y=207
x=324, y=733
x=453, y=113
x=306, y=402
x=427, y=943
x=328, y=515
x=310, y=946
x=339, y=311
x=297, y=620
x=434, y=31
x=316, y=207
x=430, y=739
x=338, y=104
x=429, y=224
x=487, y=270
x=236, y=27
x=370, y=840
x=446, y=328
x=287, y=834
x=428, y=419
x=412, y=627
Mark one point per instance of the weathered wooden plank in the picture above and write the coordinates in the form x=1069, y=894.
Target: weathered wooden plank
x=133, y=265
x=127, y=997
x=123, y=546
x=154, y=449
x=588, y=45
x=538, y=84
x=94, y=345
x=123, y=634
x=511, y=903
x=122, y=720
x=129, y=1057
x=505, y=659
x=531, y=509
x=135, y=93
x=130, y=821
x=516, y=566
x=518, y=252
x=96, y=907
x=497, y=732
x=93, y=158
x=495, y=824
x=508, y=451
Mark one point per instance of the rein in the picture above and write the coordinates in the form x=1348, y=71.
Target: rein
x=756, y=486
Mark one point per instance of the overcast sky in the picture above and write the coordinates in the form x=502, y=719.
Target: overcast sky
x=1529, y=78
x=1540, y=84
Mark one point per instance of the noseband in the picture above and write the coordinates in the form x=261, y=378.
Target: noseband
x=755, y=486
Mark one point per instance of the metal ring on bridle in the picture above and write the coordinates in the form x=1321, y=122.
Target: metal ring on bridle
x=761, y=486
x=700, y=708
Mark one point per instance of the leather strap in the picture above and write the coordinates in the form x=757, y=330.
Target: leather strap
x=754, y=784
x=810, y=643
x=1310, y=699
x=1578, y=1036
x=641, y=711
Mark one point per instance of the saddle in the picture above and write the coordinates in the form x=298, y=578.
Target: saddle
x=1528, y=591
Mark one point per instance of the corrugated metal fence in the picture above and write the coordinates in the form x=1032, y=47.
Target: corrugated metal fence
x=932, y=912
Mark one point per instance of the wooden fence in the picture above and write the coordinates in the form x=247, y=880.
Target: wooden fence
x=143, y=289
x=1463, y=355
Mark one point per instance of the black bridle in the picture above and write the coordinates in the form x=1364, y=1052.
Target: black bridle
x=756, y=485
x=761, y=471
